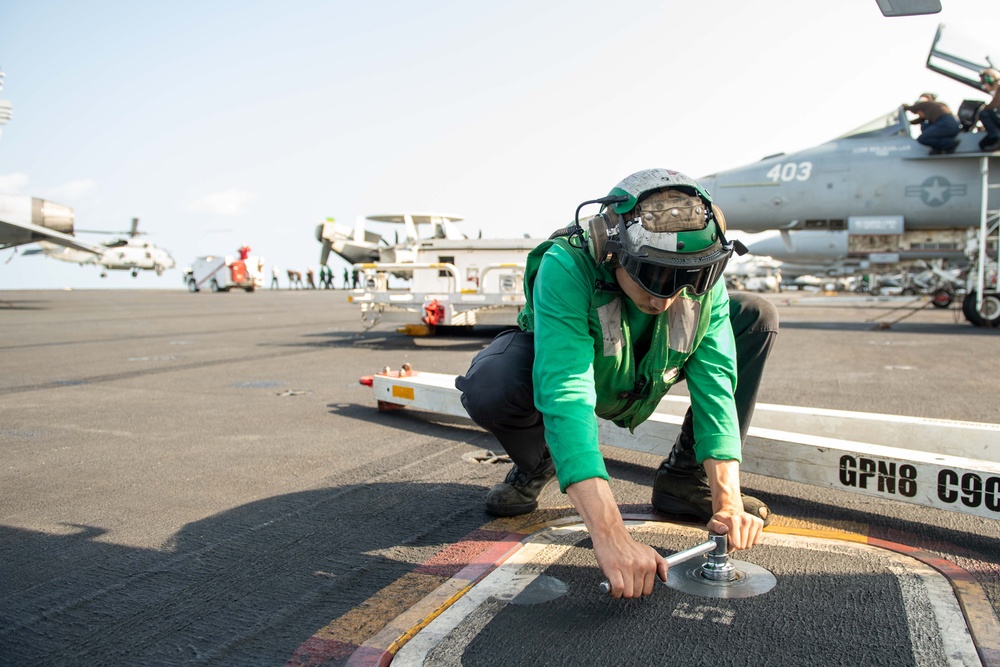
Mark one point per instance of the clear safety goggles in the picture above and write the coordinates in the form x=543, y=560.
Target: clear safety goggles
x=664, y=276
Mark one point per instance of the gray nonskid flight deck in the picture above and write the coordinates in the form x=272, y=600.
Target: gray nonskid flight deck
x=835, y=603
x=200, y=479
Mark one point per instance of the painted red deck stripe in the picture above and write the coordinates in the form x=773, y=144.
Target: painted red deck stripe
x=452, y=559
x=979, y=614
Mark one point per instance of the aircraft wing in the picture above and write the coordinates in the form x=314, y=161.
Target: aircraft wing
x=19, y=233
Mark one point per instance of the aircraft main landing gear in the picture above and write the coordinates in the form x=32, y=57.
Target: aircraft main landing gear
x=988, y=315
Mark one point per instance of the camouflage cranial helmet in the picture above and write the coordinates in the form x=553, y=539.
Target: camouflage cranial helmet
x=668, y=235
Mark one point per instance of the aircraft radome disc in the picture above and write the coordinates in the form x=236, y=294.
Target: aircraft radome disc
x=750, y=580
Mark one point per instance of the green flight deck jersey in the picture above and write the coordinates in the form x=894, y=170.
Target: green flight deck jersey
x=598, y=355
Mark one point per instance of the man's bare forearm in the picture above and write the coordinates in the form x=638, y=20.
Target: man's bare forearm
x=743, y=530
x=631, y=567
x=724, y=480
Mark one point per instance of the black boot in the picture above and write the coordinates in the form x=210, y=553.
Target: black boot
x=680, y=485
x=989, y=145
x=518, y=493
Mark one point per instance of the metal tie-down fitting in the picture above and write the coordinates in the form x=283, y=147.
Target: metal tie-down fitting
x=717, y=576
x=720, y=576
x=717, y=566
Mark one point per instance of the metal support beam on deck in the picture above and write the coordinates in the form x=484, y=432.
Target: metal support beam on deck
x=949, y=465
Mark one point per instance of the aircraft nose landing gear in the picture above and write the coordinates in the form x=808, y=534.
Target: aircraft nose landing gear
x=716, y=576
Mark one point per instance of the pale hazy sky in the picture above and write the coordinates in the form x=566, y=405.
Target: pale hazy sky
x=226, y=123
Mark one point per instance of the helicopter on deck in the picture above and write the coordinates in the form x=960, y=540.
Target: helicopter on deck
x=124, y=253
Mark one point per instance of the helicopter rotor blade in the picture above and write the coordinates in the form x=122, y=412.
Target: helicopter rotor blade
x=132, y=232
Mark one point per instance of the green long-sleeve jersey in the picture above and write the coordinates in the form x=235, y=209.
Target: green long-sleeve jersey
x=598, y=355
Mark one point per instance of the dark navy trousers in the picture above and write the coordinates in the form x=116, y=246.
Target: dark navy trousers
x=941, y=134
x=497, y=388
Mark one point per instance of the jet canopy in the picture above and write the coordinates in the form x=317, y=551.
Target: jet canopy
x=891, y=124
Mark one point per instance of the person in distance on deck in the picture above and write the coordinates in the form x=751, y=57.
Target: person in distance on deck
x=618, y=309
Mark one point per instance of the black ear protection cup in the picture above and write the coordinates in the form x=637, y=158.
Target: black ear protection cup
x=719, y=218
x=601, y=232
x=599, y=229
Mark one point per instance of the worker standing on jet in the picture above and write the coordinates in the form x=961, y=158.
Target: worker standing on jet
x=620, y=308
x=989, y=116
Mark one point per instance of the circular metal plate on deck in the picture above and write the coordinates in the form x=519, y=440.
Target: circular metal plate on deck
x=750, y=580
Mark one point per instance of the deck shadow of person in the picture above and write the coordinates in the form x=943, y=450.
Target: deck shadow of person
x=246, y=586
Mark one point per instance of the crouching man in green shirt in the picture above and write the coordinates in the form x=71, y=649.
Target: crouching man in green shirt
x=620, y=307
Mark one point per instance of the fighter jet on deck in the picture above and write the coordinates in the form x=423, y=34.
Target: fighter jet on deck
x=871, y=194
x=873, y=197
